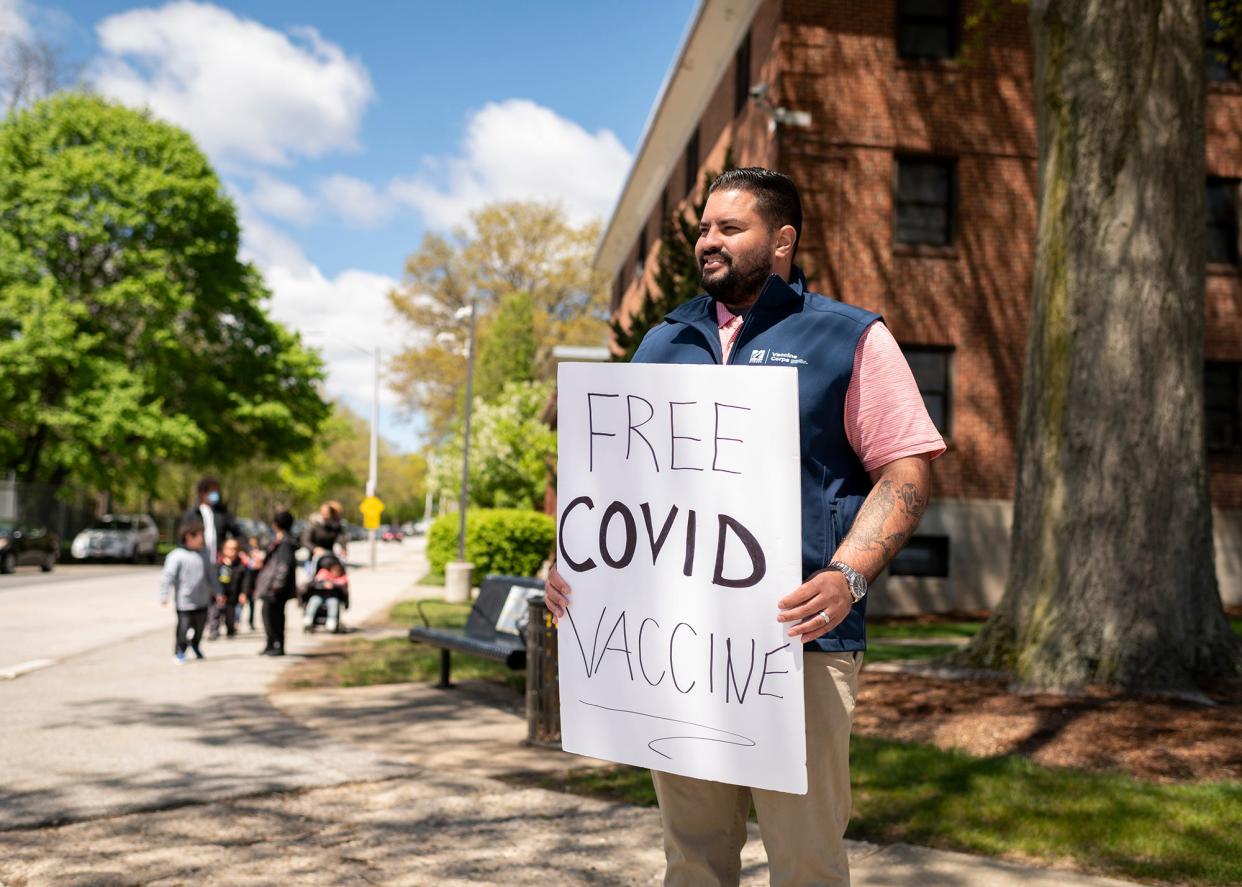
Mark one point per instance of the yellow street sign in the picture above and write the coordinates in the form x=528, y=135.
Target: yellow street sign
x=371, y=509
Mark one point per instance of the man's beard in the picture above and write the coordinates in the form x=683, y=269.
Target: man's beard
x=739, y=282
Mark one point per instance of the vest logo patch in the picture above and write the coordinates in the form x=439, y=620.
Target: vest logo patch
x=787, y=357
x=757, y=355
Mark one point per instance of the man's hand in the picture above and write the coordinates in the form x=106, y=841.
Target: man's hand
x=556, y=593
x=816, y=606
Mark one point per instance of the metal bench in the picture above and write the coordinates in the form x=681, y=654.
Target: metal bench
x=494, y=630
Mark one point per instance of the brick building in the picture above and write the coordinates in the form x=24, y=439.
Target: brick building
x=917, y=163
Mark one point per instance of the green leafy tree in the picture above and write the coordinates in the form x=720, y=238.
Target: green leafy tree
x=676, y=274
x=130, y=333
x=507, y=347
x=508, y=248
x=511, y=449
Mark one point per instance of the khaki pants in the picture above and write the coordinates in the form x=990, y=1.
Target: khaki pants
x=804, y=835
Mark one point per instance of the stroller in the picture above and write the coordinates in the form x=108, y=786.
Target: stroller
x=325, y=596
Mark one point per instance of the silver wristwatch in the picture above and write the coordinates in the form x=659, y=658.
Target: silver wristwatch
x=857, y=581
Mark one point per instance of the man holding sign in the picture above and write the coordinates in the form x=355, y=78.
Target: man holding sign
x=865, y=442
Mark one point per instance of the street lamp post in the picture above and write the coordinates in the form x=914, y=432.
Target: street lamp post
x=458, y=575
x=373, y=476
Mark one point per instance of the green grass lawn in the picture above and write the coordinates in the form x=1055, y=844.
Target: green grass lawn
x=881, y=652
x=363, y=663
x=923, y=629
x=1007, y=806
x=396, y=661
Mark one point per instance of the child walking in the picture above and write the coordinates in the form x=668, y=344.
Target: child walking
x=189, y=578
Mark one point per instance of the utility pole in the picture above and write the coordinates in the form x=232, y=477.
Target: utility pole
x=373, y=478
x=457, y=575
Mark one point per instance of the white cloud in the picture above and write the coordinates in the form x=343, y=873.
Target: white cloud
x=513, y=150
x=281, y=200
x=246, y=92
x=358, y=201
x=338, y=316
x=518, y=150
x=13, y=20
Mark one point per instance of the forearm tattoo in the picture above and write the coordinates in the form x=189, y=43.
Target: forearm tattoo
x=869, y=534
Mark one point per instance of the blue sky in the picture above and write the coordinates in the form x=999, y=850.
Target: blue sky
x=345, y=131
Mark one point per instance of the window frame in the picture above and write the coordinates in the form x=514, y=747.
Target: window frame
x=1218, y=70
x=1234, y=249
x=941, y=547
x=691, y=162
x=1234, y=447
x=741, y=75
x=947, y=352
x=952, y=20
x=951, y=209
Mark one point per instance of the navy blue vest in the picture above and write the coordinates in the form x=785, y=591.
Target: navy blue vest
x=789, y=326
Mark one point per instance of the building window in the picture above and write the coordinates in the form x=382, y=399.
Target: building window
x=926, y=556
x=692, y=161
x=741, y=76
x=1222, y=53
x=930, y=365
x=663, y=209
x=925, y=188
x=926, y=29
x=642, y=251
x=1222, y=221
x=1222, y=398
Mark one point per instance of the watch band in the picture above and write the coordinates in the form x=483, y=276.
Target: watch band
x=856, y=580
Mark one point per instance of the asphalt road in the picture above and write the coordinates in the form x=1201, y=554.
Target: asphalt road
x=26, y=577
x=49, y=617
x=96, y=718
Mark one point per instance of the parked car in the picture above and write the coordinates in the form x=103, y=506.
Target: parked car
x=126, y=537
x=356, y=532
x=421, y=527
x=408, y=528
x=20, y=546
x=391, y=533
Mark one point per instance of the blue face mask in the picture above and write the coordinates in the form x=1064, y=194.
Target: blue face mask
x=213, y=498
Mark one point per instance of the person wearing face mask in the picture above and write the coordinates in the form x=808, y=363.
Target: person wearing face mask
x=218, y=524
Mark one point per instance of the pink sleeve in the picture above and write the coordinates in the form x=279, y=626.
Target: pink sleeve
x=885, y=418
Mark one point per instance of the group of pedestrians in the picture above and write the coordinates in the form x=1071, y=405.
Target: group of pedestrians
x=215, y=573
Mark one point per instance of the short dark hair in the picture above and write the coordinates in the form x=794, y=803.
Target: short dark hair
x=776, y=195
x=207, y=484
x=283, y=521
x=188, y=528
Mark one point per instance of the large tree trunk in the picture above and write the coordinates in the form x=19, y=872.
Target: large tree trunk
x=1111, y=576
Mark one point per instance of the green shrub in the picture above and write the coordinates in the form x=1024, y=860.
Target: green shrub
x=498, y=540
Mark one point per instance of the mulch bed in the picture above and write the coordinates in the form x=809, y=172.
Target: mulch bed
x=1151, y=738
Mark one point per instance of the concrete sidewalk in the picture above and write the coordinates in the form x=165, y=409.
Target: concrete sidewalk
x=120, y=727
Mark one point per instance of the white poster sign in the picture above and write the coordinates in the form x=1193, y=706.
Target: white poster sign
x=679, y=529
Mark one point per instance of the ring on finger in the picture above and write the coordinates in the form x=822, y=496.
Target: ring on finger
x=823, y=614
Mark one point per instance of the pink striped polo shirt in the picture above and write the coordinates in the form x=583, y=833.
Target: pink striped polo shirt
x=885, y=417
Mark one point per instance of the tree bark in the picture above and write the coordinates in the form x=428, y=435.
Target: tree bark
x=1111, y=577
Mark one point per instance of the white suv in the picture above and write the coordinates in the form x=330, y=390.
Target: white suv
x=119, y=537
